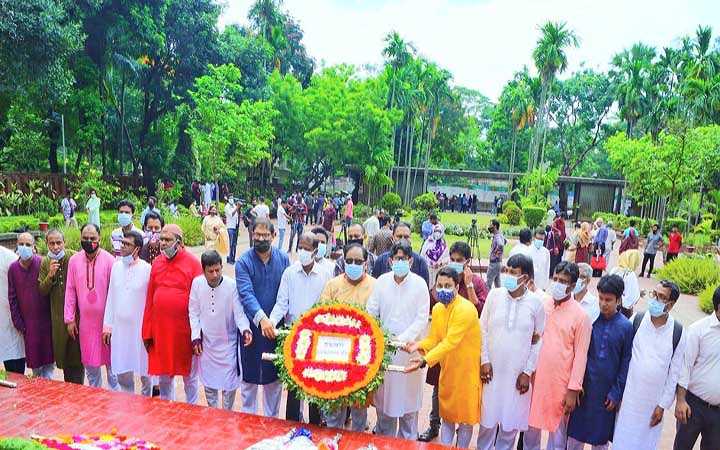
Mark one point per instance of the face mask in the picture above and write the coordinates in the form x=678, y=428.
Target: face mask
x=152, y=236
x=445, y=296
x=89, y=246
x=490, y=229
x=322, y=248
x=93, y=195
x=400, y=268
x=655, y=307
x=262, y=246
x=124, y=219
x=56, y=256
x=305, y=257
x=558, y=290
x=151, y=205
x=127, y=260
x=509, y=282
x=437, y=235
x=24, y=252
x=354, y=271
x=456, y=266
x=538, y=243
x=171, y=251
x=355, y=241
x=579, y=286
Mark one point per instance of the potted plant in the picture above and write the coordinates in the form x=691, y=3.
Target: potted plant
x=43, y=217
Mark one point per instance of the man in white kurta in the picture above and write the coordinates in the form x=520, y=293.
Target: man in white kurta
x=401, y=301
x=511, y=316
x=216, y=316
x=524, y=244
x=582, y=294
x=122, y=323
x=653, y=374
x=12, y=345
x=541, y=260
x=300, y=288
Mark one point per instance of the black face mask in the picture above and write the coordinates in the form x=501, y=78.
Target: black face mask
x=262, y=246
x=89, y=246
x=354, y=241
x=490, y=229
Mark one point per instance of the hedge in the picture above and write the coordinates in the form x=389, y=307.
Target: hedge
x=513, y=213
x=391, y=202
x=692, y=274
x=705, y=299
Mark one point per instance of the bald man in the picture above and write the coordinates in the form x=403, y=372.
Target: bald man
x=30, y=309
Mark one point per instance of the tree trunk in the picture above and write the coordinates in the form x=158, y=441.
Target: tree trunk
x=540, y=126
x=53, y=134
x=563, y=196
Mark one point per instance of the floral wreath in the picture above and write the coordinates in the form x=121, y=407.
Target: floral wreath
x=335, y=355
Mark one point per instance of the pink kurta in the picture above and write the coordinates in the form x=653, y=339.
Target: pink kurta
x=89, y=303
x=561, y=364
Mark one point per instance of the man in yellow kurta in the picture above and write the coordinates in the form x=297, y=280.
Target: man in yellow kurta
x=454, y=342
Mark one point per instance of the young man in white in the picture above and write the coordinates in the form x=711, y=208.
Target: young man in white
x=122, y=323
x=401, y=301
x=126, y=211
x=524, y=246
x=300, y=288
x=216, y=318
x=655, y=367
x=582, y=295
x=512, y=315
x=541, y=260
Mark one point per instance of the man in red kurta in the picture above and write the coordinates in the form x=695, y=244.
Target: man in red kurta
x=166, y=327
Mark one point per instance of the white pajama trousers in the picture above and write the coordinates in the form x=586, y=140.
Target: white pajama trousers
x=271, y=398
x=404, y=427
x=557, y=440
x=448, y=433
x=94, y=377
x=494, y=438
x=127, y=383
x=228, y=398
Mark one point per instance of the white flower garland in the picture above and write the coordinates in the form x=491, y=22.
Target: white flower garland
x=303, y=344
x=337, y=320
x=365, y=350
x=325, y=375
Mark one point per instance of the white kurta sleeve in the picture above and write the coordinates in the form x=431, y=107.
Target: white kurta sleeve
x=422, y=306
x=676, y=366
x=241, y=321
x=539, y=321
x=109, y=317
x=485, y=328
x=282, y=303
x=373, y=303
x=194, y=312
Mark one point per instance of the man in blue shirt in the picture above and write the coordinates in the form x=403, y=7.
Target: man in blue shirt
x=258, y=273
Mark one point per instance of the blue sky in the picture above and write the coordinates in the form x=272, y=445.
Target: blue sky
x=484, y=42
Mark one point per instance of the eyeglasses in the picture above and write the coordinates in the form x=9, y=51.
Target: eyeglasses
x=358, y=262
x=262, y=236
x=128, y=244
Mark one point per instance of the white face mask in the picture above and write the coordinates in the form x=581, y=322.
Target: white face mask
x=558, y=290
x=305, y=257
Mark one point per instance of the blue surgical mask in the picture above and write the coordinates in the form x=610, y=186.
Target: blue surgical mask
x=509, y=282
x=322, y=248
x=56, y=256
x=127, y=260
x=558, y=290
x=124, y=219
x=445, y=296
x=579, y=286
x=656, y=308
x=401, y=268
x=354, y=271
x=456, y=266
x=538, y=243
x=24, y=252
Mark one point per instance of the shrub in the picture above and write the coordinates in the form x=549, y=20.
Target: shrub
x=706, y=296
x=508, y=204
x=455, y=230
x=503, y=218
x=513, y=213
x=361, y=212
x=692, y=274
x=391, y=202
x=20, y=444
x=675, y=221
x=534, y=216
x=425, y=201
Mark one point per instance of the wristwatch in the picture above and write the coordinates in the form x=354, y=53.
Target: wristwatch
x=423, y=364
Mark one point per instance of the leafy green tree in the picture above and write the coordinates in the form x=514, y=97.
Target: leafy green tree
x=26, y=149
x=228, y=136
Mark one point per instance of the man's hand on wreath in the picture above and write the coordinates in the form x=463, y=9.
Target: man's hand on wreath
x=414, y=364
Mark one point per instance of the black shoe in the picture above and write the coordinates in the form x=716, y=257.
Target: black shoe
x=429, y=434
x=156, y=391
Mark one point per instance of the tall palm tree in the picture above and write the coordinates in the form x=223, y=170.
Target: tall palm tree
x=630, y=71
x=550, y=59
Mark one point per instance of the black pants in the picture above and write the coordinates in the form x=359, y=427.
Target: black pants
x=554, y=260
x=74, y=375
x=292, y=410
x=648, y=257
x=669, y=257
x=15, y=365
x=704, y=420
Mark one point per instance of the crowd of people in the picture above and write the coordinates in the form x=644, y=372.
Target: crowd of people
x=529, y=349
